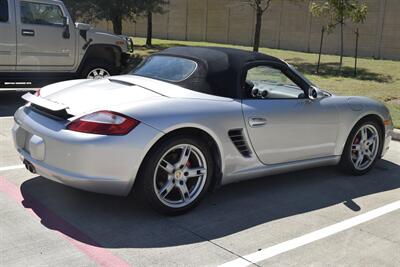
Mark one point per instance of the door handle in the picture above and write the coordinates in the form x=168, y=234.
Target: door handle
x=257, y=122
x=26, y=32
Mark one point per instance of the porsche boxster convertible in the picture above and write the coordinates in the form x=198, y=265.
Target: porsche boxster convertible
x=190, y=119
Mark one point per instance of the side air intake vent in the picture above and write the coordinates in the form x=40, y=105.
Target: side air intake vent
x=239, y=141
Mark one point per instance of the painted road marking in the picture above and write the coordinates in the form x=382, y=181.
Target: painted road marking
x=89, y=247
x=311, y=237
x=15, y=167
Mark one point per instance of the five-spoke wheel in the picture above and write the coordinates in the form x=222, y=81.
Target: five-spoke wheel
x=180, y=175
x=176, y=174
x=362, y=148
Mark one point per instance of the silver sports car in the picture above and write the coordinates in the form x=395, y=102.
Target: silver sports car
x=189, y=119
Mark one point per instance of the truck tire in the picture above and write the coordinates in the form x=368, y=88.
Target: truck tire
x=98, y=69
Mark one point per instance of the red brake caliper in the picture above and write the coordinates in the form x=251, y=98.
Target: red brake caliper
x=188, y=164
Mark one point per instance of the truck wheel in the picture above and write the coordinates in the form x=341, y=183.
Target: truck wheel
x=98, y=69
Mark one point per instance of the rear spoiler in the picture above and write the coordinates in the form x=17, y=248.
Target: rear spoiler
x=42, y=102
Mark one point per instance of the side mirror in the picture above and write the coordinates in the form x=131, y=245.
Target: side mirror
x=312, y=93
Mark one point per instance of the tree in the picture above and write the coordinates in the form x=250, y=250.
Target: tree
x=338, y=12
x=83, y=10
x=115, y=11
x=148, y=8
x=260, y=7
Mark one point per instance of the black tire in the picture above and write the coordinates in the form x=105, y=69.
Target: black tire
x=98, y=63
x=146, y=177
x=346, y=163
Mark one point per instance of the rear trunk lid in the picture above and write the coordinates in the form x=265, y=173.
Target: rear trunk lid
x=79, y=97
x=91, y=95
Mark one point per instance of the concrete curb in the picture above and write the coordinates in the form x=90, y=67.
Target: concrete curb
x=396, y=135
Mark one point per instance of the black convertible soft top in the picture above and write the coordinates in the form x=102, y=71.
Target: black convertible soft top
x=219, y=68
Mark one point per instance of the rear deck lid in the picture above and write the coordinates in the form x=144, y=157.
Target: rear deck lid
x=90, y=95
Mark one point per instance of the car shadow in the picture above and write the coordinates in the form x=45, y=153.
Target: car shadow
x=117, y=222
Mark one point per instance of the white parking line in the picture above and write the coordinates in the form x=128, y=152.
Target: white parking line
x=15, y=167
x=311, y=237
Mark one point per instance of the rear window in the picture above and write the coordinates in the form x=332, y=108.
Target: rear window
x=168, y=68
x=3, y=11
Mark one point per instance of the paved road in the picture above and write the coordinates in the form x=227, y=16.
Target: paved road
x=43, y=223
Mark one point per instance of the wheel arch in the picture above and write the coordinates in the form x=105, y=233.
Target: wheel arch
x=198, y=133
x=107, y=52
x=373, y=117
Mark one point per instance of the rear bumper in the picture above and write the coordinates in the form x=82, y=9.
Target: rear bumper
x=102, y=164
x=111, y=186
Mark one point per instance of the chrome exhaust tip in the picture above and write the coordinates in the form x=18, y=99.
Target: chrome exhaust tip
x=29, y=166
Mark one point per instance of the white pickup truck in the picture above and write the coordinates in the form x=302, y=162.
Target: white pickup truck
x=39, y=41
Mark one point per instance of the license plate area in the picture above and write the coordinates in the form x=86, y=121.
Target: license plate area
x=28, y=137
x=19, y=136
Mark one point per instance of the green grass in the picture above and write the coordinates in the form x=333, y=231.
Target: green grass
x=378, y=79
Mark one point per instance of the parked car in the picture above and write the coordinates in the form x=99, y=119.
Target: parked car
x=40, y=41
x=190, y=119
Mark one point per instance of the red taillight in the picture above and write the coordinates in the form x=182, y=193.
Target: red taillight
x=104, y=122
x=37, y=93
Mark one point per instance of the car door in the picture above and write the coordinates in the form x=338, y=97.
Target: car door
x=42, y=44
x=8, y=40
x=284, y=125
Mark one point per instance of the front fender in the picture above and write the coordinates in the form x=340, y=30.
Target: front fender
x=354, y=109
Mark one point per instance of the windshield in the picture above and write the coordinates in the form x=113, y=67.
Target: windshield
x=169, y=68
x=324, y=92
x=300, y=74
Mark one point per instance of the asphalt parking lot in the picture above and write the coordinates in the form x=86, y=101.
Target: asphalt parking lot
x=318, y=217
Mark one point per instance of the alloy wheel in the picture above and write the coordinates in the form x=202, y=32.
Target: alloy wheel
x=364, y=147
x=180, y=175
